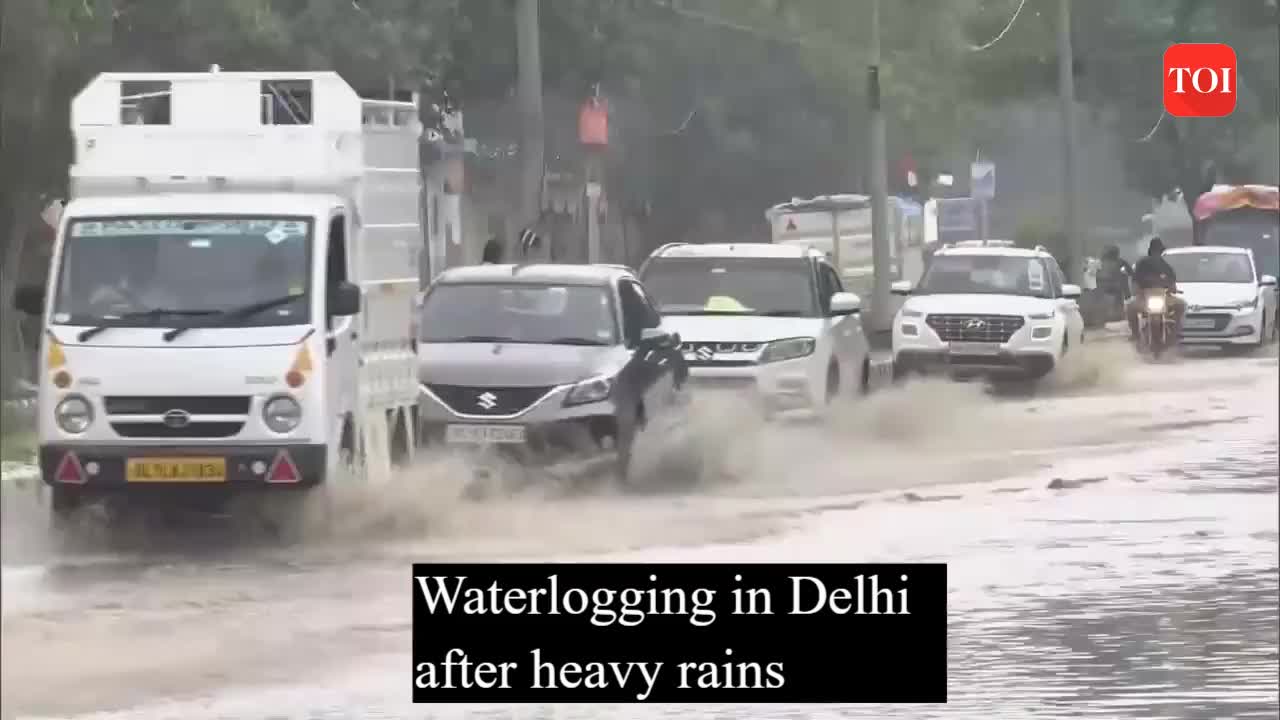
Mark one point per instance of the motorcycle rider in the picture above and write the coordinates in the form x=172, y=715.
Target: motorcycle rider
x=1150, y=273
x=1113, y=281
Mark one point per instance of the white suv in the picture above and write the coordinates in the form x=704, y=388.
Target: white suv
x=987, y=308
x=772, y=319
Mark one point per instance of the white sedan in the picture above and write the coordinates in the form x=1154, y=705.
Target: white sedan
x=1229, y=301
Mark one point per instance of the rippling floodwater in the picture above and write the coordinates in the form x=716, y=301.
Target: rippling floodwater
x=1125, y=584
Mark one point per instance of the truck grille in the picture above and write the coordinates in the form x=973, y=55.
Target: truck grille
x=161, y=404
x=144, y=416
x=491, y=401
x=975, y=328
x=191, y=430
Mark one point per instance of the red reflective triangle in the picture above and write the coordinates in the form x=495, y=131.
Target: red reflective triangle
x=283, y=470
x=69, y=470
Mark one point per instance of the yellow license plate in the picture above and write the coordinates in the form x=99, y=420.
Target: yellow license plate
x=176, y=470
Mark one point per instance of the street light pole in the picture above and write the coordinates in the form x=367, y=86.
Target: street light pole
x=529, y=59
x=880, y=252
x=1067, y=96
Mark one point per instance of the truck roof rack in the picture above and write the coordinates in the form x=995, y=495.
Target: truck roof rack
x=138, y=133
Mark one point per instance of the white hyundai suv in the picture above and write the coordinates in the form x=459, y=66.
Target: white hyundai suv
x=772, y=320
x=987, y=308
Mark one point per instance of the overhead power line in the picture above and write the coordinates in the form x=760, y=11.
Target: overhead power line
x=1005, y=31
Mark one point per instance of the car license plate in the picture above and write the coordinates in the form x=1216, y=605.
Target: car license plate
x=484, y=434
x=1197, y=324
x=974, y=348
x=176, y=470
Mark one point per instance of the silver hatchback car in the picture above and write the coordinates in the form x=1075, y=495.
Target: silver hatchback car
x=545, y=363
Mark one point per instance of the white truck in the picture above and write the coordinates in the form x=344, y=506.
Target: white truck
x=229, y=302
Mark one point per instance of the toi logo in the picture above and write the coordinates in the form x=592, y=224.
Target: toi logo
x=1200, y=80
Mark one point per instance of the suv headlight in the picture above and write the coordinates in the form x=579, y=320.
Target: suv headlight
x=282, y=414
x=909, y=313
x=589, y=391
x=788, y=349
x=74, y=414
x=1046, y=315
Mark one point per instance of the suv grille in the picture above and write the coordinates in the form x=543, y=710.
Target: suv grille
x=712, y=353
x=494, y=401
x=975, y=328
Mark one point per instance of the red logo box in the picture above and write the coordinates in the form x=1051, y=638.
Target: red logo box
x=1200, y=80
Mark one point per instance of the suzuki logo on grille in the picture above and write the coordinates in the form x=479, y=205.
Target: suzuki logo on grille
x=176, y=418
x=975, y=324
x=488, y=401
x=705, y=352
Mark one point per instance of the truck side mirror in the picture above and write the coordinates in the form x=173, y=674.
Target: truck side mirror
x=29, y=299
x=344, y=300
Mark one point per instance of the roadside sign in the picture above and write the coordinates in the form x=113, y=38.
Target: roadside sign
x=982, y=180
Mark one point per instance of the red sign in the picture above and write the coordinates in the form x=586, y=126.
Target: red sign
x=593, y=122
x=1200, y=80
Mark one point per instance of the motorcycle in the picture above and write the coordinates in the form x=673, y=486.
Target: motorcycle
x=1157, y=327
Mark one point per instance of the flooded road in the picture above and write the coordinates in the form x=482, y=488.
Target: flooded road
x=1113, y=551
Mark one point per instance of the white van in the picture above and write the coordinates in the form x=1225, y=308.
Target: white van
x=229, y=302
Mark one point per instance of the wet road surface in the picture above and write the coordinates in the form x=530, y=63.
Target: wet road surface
x=1112, y=544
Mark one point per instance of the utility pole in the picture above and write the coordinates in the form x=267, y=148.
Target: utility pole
x=880, y=260
x=531, y=123
x=1067, y=95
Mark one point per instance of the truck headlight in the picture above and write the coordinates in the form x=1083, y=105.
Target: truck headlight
x=74, y=414
x=282, y=414
x=589, y=391
x=788, y=349
x=1155, y=305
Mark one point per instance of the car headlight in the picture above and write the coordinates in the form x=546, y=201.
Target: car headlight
x=282, y=414
x=788, y=349
x=74, y=414
x=909, y=313
x=589, y=391
x=1155, y=304
x=1246, y=304
x=1047, y=315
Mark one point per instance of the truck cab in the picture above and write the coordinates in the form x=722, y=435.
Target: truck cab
x=229, y=300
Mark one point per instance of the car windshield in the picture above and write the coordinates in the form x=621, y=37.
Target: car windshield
x=137, y=272
x=518, y=313
x=734, y=286
x=986, y=275
x=1208, y=267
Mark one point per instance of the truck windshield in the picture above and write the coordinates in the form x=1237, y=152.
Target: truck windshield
x=177, y=271
x=518, y=313
x=986, y=275
x=780, y=287
x=1254, y=229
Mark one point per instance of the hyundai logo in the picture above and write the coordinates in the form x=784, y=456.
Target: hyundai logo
x=176, y=418
x=975, y=324
x=487, y=400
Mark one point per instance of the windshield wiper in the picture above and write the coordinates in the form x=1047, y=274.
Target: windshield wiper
x=577, y=341
x=92, y=332
x=236, y=313
x=780, y=313
x=478, y=339
x=707, y=312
